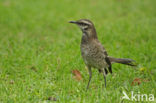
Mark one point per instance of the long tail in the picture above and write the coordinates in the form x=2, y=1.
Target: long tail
x=123, y=61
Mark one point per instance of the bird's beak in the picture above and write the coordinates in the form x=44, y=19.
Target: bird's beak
x=73, y=22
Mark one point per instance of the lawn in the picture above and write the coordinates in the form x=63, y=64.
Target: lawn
x=39, y=49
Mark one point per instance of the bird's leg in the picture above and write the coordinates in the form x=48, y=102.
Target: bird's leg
x=104, y=75
x=90, y=75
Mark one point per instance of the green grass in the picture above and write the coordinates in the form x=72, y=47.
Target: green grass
x=39, y=49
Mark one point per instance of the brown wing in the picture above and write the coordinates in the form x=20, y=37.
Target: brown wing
x=106, y=58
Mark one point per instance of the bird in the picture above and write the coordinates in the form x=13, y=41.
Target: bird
x=93, y=52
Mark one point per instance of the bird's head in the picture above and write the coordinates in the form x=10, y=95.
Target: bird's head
x=85, y=25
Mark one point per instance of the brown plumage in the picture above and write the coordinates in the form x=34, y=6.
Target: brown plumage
x=93, y=53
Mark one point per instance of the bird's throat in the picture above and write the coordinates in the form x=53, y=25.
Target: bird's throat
x=87, y=37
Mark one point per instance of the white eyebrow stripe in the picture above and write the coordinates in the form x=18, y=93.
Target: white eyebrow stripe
x=86, y=22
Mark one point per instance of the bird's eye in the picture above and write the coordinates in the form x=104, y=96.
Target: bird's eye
x=83, y=24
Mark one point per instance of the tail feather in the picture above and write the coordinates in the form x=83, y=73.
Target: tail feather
x=123, y=61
